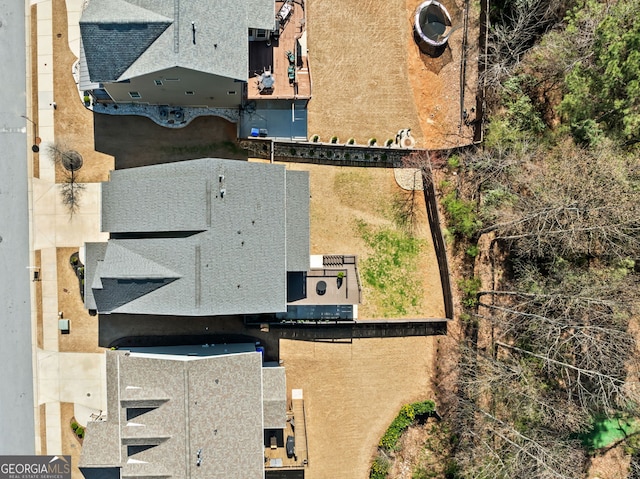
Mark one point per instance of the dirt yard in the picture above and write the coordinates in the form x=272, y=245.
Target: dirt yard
x=436, y=82
x=70, y=443
x=370, y=78
x=73, y=123
x=340, y=197
x=612, y=464
x=84, y=328
x=352, y=392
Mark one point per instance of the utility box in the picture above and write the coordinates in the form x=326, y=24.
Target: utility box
x=63, y=326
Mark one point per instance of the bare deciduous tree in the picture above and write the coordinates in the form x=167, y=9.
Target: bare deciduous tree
x=579, y=203
x=514, y=33
x=69, y=161
x=578, y=330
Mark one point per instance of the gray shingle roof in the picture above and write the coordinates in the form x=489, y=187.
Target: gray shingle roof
x=125, y=39
x=274, y=395
x=298, y=229
x=236, y=227
x=215, y=406
x=93, y=255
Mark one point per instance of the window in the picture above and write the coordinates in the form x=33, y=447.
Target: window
x=231, y=92
x=172, y=79
x=158, y=82
x=189, y=93
x=261, y=34
x=135, y=94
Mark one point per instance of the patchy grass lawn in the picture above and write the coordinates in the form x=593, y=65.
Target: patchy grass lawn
x=391, y=270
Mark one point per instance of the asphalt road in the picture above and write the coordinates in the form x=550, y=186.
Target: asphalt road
x=16, y=373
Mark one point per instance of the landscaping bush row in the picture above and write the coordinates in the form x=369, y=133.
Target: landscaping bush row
x=407, y=416
x=351, y=141
x=78, y=429
x=330, y=154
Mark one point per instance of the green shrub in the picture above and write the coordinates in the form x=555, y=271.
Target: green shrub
x=403, y=420
x=351, y=141
x=451, y=470
x=292, y=151
x=473, y=250
x=462, y=215
x=421, y=472
x=372, y=141
x=389, y=142
x=379, y=468
x=80, y=432
x=334, y=139
x=315, y=138
x=75, y=425
x=469, y=288
x=453, y=162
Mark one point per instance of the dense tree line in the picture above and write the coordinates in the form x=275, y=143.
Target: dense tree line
x=550, y=340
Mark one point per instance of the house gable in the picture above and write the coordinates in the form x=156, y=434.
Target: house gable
x=113, y=42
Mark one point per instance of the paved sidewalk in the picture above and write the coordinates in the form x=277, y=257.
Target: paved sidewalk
x=59, y=377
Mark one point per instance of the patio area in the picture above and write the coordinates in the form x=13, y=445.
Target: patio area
x=289, y=73
x=332, y=280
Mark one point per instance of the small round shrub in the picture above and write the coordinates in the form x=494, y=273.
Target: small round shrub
x=80, y=432
x=372, y=141
x=75, y=426
x=334, y=139
x=351, y=141
x=389, y=142
x=315, y=138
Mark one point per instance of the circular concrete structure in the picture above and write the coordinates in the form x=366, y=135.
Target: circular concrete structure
x=432, y=26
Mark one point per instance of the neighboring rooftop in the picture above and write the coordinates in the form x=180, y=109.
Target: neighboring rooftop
x=200, y=237
x=198, y=415
x=126, y=39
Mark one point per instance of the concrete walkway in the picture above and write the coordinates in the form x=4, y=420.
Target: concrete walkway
x=59, y=376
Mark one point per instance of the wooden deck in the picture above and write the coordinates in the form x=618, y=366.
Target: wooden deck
x=274, y=58
x=278, y=454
